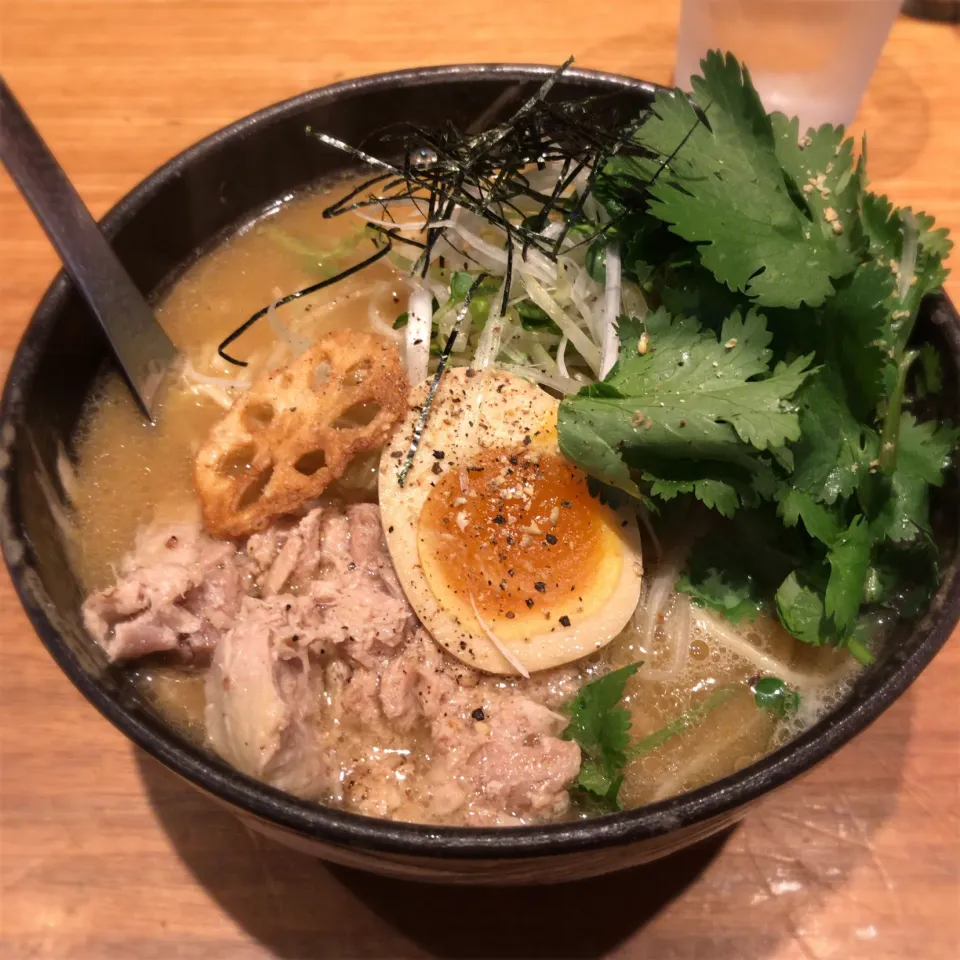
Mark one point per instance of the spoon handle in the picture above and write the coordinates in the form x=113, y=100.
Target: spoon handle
x=139, y=343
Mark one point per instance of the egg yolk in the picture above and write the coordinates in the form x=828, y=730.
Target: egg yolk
x=516, y=531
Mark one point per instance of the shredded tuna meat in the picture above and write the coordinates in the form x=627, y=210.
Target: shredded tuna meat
x=322, y=682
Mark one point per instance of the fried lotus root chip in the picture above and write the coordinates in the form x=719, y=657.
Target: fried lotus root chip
x=297, y=429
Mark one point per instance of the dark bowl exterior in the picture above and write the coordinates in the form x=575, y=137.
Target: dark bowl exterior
x=157, y=229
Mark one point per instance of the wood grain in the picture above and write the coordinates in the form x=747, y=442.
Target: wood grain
x=104, y=854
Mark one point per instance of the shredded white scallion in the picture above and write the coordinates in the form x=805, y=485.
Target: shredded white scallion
x=586, y=348
x=419, y=326
x=498, y=643
x=610, y=343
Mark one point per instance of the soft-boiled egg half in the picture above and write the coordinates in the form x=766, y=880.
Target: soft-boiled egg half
x=501, y=550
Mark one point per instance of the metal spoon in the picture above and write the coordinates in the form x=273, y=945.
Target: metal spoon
x=139, y=343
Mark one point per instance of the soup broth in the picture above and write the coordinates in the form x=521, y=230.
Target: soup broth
x=697, y=669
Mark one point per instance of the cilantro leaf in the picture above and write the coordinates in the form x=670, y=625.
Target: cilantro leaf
x=860, y=330
x=849, y=558
x=690, y=398
x=721, y=577
x=904, y=576
x=819, y=521
x=925, y=451
x=719, y=495
x=821, y=167
x=885, y=227
x=802, y=613
x=834, y=449
x=801, y=610
x=600, y=726
x=724, y=189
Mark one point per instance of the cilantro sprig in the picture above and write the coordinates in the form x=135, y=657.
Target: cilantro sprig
x=600, y=725
x=775, y=379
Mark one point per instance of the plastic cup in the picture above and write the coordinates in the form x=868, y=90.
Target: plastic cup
x=808, y=58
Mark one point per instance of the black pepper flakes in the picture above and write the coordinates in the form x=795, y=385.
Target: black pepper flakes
x=514, y=459
x=530, y=601
x=396, y=454
x=550, y=538
x=566, y=503
x=510, y=614
x=499, y=518
x=478, y=714
x=527, y=441
x=540, y=587
x=437, y=469
x=471, y=372
x=510, y=572
x=389, y=529
x=438, y=454
x=565, y=620
x=463, y=644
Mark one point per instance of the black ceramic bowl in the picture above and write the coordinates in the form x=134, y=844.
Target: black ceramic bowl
x=184, y=207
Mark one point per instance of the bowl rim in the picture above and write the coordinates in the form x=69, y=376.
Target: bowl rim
x=345, y=829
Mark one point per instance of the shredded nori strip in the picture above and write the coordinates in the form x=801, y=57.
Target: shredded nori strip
x=306, y=291
x=483, y=173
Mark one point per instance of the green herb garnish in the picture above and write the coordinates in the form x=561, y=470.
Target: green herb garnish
x=600, y=725
x=788, y=404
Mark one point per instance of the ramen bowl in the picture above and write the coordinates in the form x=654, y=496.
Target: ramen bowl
x=158, y=229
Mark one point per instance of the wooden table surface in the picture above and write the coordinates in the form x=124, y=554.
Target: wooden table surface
x=107, y=855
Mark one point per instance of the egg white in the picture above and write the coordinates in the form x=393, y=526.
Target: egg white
x=474, y=412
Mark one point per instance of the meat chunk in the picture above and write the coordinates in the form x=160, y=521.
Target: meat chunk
x=261, y=703
x=323, y=684
x=500, y=759
x=177, y=592
x=415, y=684
x=524, y=768
x=367, y=621
x=368, y=548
